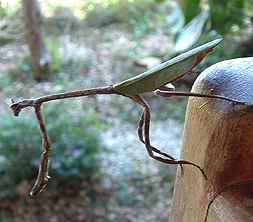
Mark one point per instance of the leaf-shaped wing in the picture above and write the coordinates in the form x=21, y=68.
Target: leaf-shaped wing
x=165, y=72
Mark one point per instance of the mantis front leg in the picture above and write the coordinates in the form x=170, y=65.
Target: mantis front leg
x=146, y=125
x=42, y=178
x=164, y=91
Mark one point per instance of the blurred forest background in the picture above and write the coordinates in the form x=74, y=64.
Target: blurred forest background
x=99, y=169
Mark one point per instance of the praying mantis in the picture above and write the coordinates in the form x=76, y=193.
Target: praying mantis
x=158, y=80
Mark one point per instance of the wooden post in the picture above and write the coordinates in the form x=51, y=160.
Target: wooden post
x=218, y=136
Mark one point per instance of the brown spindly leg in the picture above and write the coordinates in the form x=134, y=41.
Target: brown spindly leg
x=146, y=125
x=36, y=103
x=168, y=93
x=140, y=135
x=42, y=178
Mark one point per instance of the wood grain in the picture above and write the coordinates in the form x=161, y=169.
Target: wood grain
x=218, y=136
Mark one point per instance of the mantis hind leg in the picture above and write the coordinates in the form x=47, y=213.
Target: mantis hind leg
x=140, y=134
x=146, y=125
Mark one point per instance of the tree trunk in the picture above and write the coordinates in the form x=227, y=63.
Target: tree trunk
x=39, y=55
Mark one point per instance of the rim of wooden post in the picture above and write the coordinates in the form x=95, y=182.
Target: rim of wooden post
x=218, y=136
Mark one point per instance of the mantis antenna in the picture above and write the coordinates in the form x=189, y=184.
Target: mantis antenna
x=153, y=80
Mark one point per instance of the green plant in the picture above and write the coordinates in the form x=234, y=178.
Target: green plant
x=55, y=53
x=54, y=49
x=226, y=14
x=75, y=149
x=190, y=8
x=2, y=11
x=201, y=17
x=138, y=15
x=223, y=14
x=61, y=64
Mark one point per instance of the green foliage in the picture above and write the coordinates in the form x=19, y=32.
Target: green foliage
x=139, y=15
x=54, y=51
x=63, y=20
x=2, y=11
x=191, y=33
x=101, y=16
x=190, y=8
x=8, y=7
x=61, y=64
x=25, y=64
x=4, y=216
x=226, y=14
x=217, y=19
x=226, y=50
x=75, y=148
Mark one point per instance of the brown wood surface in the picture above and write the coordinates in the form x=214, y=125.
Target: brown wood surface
x=218, y=136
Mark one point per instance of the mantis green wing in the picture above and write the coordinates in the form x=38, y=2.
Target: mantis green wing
x=165, y=72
